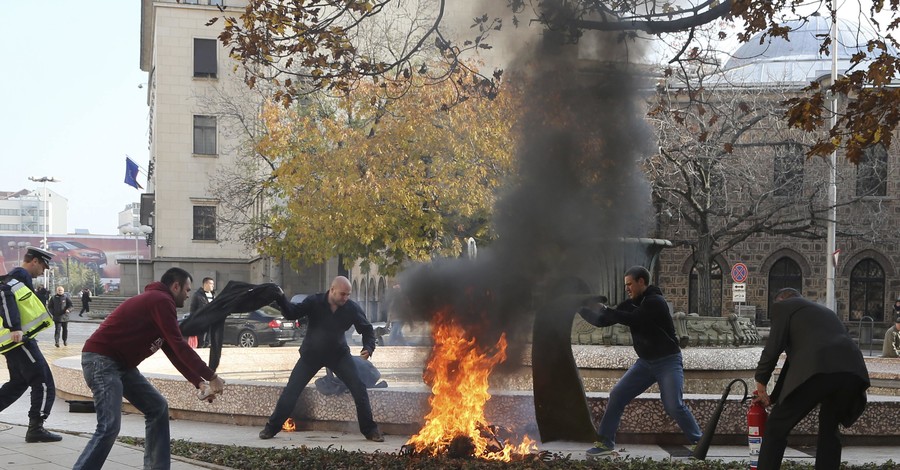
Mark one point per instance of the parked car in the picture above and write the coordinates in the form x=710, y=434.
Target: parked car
x=76, y=251
x=262, y=326
x=300, y=326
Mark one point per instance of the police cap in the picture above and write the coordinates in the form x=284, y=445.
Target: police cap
x=44, y=255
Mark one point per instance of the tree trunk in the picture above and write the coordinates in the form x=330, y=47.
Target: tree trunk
x=703, y=263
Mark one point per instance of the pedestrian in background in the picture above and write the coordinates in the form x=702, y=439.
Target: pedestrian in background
x=60, y=305
x=42, y=293
x=85, y=301
x=23, y=316
x=201, y=297
x=891, y=345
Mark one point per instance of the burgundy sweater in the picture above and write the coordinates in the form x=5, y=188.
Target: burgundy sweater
x=142, y=325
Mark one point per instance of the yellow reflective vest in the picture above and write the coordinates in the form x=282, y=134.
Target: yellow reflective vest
x=33, y=315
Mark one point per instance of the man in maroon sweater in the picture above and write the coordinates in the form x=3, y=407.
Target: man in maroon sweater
x=131, y=333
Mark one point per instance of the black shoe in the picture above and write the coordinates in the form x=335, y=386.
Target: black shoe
x=268, y=432
x=57, y=345
x=375, y=436
x=37, y=433
x=65, y=343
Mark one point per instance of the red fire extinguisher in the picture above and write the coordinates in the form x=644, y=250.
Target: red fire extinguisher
x=756, y=426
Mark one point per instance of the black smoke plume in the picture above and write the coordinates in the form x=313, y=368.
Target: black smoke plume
x=578, y=182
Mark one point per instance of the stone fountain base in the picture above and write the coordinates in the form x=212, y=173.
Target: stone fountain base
x=255, y=378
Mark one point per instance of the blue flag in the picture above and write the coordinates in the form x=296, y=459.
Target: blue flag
x=131, y=172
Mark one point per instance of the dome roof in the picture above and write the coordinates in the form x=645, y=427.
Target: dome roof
x=798, y=59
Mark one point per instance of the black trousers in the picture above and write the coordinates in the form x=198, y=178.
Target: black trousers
x=64, y=328
x=835, y=392
x=304, y=371
x=28, y=368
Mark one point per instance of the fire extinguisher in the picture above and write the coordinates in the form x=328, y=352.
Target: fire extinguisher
x=756, y=426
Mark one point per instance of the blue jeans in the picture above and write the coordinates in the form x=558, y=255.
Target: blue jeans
x=668, y=372
x=109, y=383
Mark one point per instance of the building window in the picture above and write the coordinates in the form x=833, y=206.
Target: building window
x=205, y=58
x=217, y=3
x=788, y=170
x=204, y=222
x=871, y=172
x=867, y=291
x=204, y=135
x=715, y=280
x=783, y=274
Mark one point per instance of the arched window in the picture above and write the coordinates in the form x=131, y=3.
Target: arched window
x=784, y=273
x=867, y=290
x=371, y=302
x=715, y=281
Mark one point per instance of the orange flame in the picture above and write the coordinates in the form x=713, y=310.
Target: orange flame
x=457, y=373
x=289, y=425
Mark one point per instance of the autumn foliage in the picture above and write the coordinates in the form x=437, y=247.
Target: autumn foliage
x=382, y=179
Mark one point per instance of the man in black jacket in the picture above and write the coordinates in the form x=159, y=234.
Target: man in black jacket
x=200, y=298
x=60, y=305
x=330, y=314
x=659, y=358
x=823, y=366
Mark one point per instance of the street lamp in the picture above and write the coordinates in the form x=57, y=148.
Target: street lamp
x=45, y=180
x=18, y=246
x=137, y=232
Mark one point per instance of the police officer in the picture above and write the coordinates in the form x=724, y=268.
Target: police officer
x=23, y=317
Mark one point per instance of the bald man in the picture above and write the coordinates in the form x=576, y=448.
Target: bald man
x=329, y=315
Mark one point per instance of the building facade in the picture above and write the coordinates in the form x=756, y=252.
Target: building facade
x=195, y=138
x=28, y=212
x=867, y=258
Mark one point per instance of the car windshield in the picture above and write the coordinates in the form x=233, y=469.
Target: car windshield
x=66, y=245
x=271, y=311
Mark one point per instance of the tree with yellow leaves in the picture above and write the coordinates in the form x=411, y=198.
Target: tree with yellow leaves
x=373, y=177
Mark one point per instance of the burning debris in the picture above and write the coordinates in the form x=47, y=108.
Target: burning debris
x=458, y=372
x=289, y=425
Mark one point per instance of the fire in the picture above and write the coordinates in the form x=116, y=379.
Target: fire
x=289, y=425
x=457, y=373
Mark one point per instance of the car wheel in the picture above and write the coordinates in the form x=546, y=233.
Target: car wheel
x=277, y=344
x=247, y=339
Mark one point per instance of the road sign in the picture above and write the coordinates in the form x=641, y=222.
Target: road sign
x=739, y=273
x=739, y=292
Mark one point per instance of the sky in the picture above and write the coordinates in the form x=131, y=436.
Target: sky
x=70, y=106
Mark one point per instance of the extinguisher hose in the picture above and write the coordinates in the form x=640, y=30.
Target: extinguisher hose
x=702, y=446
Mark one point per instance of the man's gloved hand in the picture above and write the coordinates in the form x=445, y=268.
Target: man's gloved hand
x=209, y=390
x=217, y=385
x=593, y=311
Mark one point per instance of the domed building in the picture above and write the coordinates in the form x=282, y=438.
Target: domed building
x=768, y=167
x=796, y=61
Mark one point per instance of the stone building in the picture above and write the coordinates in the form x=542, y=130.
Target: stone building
x=866, y=276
